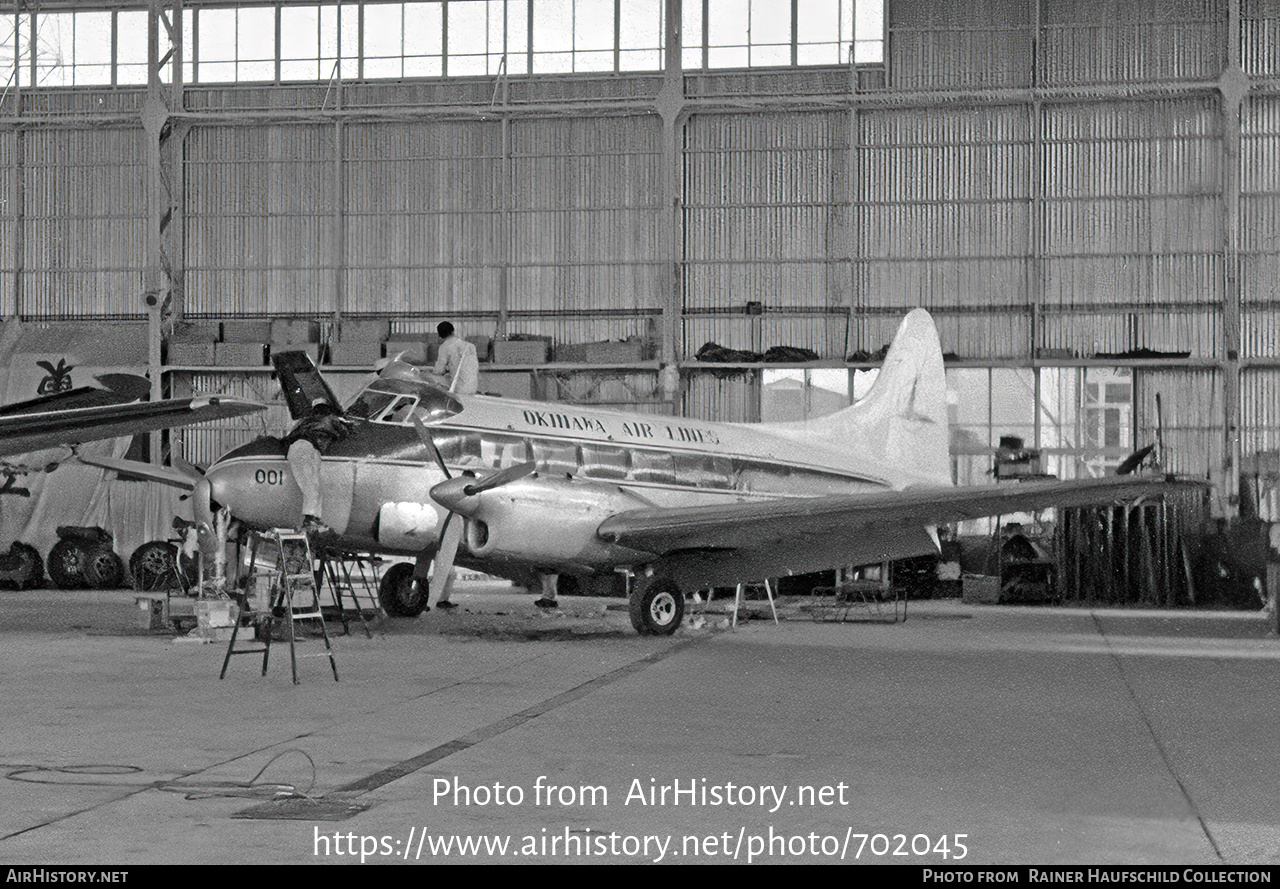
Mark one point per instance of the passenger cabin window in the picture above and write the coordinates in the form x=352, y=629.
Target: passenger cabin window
x=704, y=471
x=556, y=458
x=653, y=466
x=603, y=462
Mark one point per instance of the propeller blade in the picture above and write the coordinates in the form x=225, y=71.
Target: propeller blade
x=500, y=478
x=425, y=435
x=187, y=469
x=442, y=564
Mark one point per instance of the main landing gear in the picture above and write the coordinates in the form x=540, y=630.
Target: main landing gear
x=657, y=607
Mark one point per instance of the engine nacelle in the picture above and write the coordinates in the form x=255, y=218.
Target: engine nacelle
x=548, y=522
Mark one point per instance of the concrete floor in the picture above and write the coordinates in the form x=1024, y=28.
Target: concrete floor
x=977, y=734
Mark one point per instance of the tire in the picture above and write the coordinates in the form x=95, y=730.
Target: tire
x=154, y=567
x=658, y=608
x=21, y=568
x=400, y=593
x=66, y=563
x=103, y=569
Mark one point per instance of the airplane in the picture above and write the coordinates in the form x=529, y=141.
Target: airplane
x=93, y=413
x=512, y=487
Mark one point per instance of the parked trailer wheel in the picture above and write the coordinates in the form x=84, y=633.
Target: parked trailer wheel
x=103, y=569
x=21, y=568
x=154, y=567
x=66, y=563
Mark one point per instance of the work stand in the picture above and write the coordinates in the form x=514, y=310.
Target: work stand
x=343, y=574
x=286, y=594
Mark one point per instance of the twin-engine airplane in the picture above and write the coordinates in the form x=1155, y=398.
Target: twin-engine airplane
x=514, y=487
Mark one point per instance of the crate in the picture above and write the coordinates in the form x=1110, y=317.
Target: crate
x=482, y=344
x=295, y=330
x=364, y=331
x=239, y=354
x=416, y=351
x=199, y=354
x=246, y=331
x=196, y=332
x=507, y=385
x=152, y=610
x=979, y=589
x=355, y=353
x=607, y=352
x=520, y=351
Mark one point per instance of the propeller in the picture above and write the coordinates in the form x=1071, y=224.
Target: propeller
x=453, y=494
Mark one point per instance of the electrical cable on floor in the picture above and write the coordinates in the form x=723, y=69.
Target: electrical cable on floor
x=26, y=773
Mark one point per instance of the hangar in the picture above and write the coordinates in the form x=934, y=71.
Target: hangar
x=717, y=210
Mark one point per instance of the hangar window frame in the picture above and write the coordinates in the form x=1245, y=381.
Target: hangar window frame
x=309, y=41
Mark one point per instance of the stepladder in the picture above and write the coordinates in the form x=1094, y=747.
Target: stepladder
x=282, y=597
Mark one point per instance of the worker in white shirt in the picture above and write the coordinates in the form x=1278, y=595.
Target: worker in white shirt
x=457, y=364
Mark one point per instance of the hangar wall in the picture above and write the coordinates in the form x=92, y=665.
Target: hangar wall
x=1056, y=182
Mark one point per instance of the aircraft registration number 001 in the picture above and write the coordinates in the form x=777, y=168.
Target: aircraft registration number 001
x=269, y=476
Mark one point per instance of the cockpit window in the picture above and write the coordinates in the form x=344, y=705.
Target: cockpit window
x=395, y=401
x=371, y=403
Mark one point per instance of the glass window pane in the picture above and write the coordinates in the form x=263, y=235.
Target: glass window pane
x=300, y=33
x=217, y=40
x=602, y=461
x=593, y=26
x=691, y=34
x=256, y=38
x=93, y=38
x=553, y=26
x=383, y=36
x=556, y=457
x=652, y=466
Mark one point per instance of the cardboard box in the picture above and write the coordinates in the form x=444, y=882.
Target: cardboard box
x=415, y=351
x=312, y=349
x=520, y=351
x=607, y=352
x=364, y=331
x=295, y=330
x=152, y=611
x=246, y=331
x=357, y=353
x=239, y=354
x=517, y=384
x=199, y=354
x=482, y=344
x=196, y=332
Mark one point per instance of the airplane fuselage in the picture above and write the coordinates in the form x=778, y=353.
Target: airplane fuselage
x=590, y=464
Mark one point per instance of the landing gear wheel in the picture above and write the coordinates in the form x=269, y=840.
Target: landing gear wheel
x=658, y=608
x=103, y=569
x=66, y=564
x=154, y=566
x=401, y=594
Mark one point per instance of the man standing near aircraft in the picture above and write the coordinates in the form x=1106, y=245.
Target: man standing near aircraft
x=457, y=362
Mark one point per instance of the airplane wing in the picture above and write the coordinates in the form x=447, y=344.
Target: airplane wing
x=115, y=389
x=803, y=521
x=34, y=430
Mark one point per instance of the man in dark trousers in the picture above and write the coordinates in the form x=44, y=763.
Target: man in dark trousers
x=306, y=442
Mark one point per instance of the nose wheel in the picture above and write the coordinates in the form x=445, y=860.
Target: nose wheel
x=657, y=608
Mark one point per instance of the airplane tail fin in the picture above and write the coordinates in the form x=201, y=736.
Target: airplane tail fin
x=902, y=421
